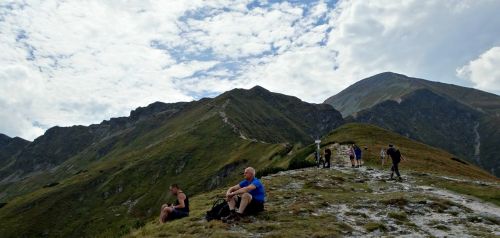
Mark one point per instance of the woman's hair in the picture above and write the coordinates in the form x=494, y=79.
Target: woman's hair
x=174, y=185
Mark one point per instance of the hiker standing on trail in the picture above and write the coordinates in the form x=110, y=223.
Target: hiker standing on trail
x=352, y=156
x=317, y=158
x=358, y=153
x=382, y=156
x=177, y=210
x=396, y=157
x=328, y=156
x=249, y=196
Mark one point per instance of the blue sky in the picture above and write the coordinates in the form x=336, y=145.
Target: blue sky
x=72, y=62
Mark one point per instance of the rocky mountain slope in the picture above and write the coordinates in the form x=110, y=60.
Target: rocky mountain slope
x=105, y=179
x=461, y=120
x=345, y=201
x=10, y=147
x=392, y=86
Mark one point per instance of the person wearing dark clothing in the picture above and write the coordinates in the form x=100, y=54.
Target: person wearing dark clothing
x=177, y=210
x=328, y=156
x=358, y=154
x=396, y=157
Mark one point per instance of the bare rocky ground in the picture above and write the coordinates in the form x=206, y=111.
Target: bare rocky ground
x=352, y=202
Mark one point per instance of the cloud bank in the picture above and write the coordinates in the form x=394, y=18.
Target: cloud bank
x=73, y=62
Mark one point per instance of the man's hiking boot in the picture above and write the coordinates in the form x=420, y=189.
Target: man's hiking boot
x=232, y=217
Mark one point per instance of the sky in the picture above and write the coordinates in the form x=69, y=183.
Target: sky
x=73, y=62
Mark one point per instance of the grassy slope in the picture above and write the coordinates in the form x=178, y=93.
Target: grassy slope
x=371, y=91
x=391, y=86
x=420, y=157
x=308, y=203
x=97, y=202
x=290, y=211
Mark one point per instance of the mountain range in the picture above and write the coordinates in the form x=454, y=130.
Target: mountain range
x=461, y=120
x=109, y=178
x=120, y=169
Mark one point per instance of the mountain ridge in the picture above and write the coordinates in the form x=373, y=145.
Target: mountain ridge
x=114, y=175
x=134, y=160
x=402, y=85
x=474, y=130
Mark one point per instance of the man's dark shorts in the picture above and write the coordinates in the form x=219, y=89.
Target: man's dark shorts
x=253, y=207
x=177, y=214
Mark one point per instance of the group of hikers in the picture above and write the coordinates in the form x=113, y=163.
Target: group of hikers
x=248, y=196
x=356, y=157
x=244, y=198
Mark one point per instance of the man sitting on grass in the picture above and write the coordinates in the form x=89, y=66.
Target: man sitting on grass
x=177, y=210
x=248, y=196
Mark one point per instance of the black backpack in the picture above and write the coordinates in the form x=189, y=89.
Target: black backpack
x=220, y=209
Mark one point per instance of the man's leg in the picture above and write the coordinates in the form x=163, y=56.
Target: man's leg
x=396, y=169
x=231, y=202
x=246, y=198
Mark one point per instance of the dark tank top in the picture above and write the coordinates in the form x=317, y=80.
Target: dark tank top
x=186, y=204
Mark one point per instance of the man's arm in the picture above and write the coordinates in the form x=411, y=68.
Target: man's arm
x=232, y=189
x=243, y=190
x=181, y=197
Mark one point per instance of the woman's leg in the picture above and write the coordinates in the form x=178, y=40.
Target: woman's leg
x=162, y=212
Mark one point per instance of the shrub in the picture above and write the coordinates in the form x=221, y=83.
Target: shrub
x=268, y=170
x=299, y=161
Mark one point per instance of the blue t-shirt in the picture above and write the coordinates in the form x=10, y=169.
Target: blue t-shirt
x=358, y=153
x=259, y=194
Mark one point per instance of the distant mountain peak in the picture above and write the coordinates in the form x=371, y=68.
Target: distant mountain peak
x=4, y=139
x=389, y=74
x=255, y=89
x=258, y=88
x=3, y=136
x=390, y=86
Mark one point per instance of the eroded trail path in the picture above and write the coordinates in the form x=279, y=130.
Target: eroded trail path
x=364, y=202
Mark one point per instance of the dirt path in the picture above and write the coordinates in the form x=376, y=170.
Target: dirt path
x=378, y=206
x=464, y=215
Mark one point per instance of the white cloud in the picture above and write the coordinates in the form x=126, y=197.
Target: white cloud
x=427, y=39
x=237, y=34
x=484, y=71
x=68, y=62
x=73, y=62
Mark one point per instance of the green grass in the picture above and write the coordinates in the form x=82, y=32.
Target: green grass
x=399, y=216
x=420, y=157
x=373, y=226
x=94, y=203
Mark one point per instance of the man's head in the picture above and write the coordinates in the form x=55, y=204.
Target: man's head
x=174, y=188
x=391, y=145
x=249, y=173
